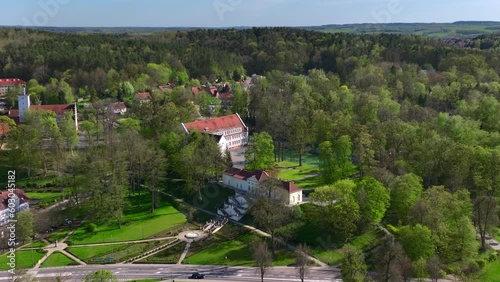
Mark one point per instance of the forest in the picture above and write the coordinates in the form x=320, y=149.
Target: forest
x=406, y=128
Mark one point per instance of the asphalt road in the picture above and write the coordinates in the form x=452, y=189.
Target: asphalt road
x=182, y=272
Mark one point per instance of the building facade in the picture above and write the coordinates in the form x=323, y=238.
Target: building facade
x=232, y=127
x=8, y=83
x=247, y=181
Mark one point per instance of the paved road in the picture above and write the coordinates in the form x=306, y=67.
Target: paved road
x=167, y=272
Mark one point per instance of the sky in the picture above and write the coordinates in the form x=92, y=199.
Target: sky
x=229, y=13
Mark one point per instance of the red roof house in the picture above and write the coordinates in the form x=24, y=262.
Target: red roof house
x=143, y=96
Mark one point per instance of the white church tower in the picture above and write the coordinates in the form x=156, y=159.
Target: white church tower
x=24, y=104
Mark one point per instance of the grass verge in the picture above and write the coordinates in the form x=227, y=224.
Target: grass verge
x=58, y=259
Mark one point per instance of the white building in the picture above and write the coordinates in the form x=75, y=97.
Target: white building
x=119, y=108
x=231, y=127
x=246, y=181
x=19, y=201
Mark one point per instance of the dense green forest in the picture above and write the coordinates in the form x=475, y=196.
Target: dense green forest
x=407, y=128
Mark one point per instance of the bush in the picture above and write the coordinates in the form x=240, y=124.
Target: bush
x=481, y=263
x=493, y=257
x=91, y=228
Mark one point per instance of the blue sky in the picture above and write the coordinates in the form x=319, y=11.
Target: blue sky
x=224, y=13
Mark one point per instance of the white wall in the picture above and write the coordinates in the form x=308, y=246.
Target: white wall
x=296, y=198
x=235, y=182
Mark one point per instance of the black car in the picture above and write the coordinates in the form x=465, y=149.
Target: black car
x=197, y=275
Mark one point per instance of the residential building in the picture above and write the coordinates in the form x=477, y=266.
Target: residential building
x=9, y=83
x=247, y=181
x=119, y=108
x=18, y=200
x=232, y=127
x=142, y=96
x=25, y=105
x=243, y=180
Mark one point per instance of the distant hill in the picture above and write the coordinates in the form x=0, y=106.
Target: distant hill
x=460, y=29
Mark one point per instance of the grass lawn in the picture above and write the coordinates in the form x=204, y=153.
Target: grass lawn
x=310, y=183
x=325, y=246
x=113, y=253
x=45, y=197
x=85, y=253
x=36, y=244
x=58, y=259
x=139, y=224
x=24, y=259
x=363, y=242
x=491, y=272
x=169, y=256
x=58, y=235
x=237, y=251
x=293, y=173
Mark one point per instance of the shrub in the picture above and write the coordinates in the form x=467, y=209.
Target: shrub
x=91, y=228
x=492, y=257
x=480, y=263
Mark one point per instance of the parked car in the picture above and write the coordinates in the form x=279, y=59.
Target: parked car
x=197, y=275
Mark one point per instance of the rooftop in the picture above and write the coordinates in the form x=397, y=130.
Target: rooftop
x=216, y=124
x=11, y=81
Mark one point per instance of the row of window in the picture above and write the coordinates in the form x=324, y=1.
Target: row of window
x=232, y=131
x=234, y=143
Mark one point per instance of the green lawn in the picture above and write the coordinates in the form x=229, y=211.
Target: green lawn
x=237, y=252
x=85, y=253
x=310, y=183
x=139, y=224
x=363, y=242
x=168, y=256
x=58, y=235
x=36, y=244
x=45, y=197
x=330, y=257
x=58, y=259
x=491, y=272
x=294, y=173
x=24, y=259
x=113, y=253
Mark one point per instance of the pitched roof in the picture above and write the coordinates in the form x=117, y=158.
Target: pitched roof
x=58, y=109
x=143, y=96
x=196, y=90
x=216, y=124
x=11, y=81
x=242, y=174
x=290, y=187
x=118, y=106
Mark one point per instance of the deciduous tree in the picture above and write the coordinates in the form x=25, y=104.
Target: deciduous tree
x=259, y=155
x=353, y=267
x=262, y=257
